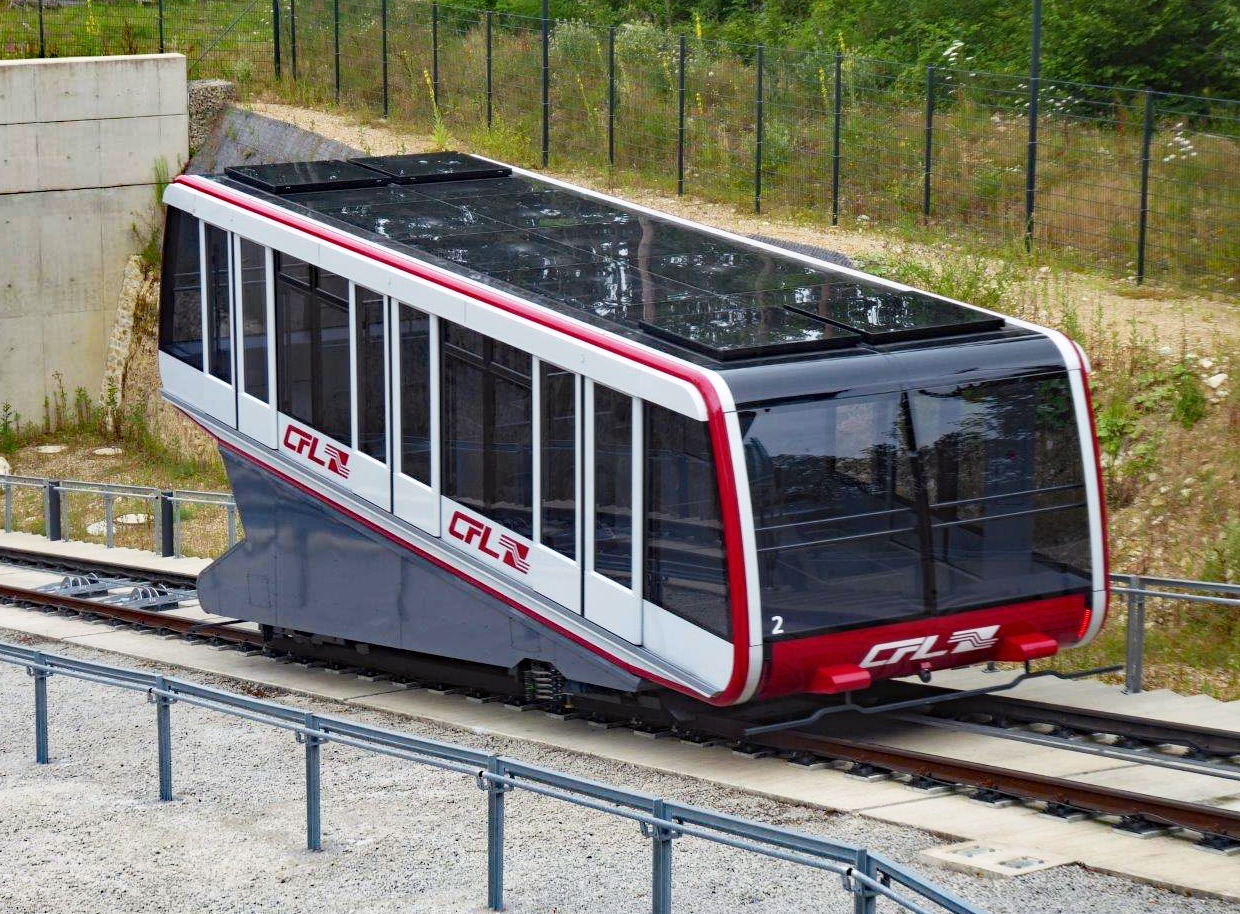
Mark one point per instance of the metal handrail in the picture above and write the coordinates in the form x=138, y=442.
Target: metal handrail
x=865, y=875
x=1136, y=589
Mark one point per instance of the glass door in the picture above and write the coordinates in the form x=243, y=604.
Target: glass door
x=256, y=360
x=612, y=498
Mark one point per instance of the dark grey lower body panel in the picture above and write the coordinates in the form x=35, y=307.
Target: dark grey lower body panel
x=306, y=567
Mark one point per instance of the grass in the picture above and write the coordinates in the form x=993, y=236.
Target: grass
x=1090, y=151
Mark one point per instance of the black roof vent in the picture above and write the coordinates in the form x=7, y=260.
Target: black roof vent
x=427, y=168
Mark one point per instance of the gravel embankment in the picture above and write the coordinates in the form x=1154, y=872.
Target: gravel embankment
x=86, y=834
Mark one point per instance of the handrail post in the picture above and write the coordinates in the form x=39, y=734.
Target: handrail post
x=231, y=510
x=865, y=899
x=176, y=526
x=52, y=515
x=167, y=525
x=109, y=510
x=163, y=724
x=8, y=506
x=495, y=834
x=835, y=138
x=40, y=675
x=680, y=119
x=661, y=838
x=1134, y=649
x=314, y=821
x=1143, y=219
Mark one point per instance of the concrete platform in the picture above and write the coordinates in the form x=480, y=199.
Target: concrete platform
x=1165, y=861
x=135, y=559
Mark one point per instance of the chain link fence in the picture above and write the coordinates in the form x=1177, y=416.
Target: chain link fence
x=1140, y=184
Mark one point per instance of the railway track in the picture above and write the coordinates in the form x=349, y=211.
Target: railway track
x=863, y=745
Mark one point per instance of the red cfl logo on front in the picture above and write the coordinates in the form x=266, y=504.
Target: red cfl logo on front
x=307, y=444
x=475, y=533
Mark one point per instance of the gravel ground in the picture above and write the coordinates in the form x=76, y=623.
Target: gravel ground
x=85, y=834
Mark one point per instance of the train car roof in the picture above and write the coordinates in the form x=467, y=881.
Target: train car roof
x=715, y=300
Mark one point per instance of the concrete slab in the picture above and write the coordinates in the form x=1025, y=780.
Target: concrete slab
x=19, y=158
x=1167, y=862
x=21, y=284
x=991, y=859
x=70, y=282
x=1169, y=783
x=30, y=622
x=69, y=155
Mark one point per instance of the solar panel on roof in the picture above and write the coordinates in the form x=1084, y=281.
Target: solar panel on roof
x=546, y=209
x=433, y=167
x=291, y=177
x=413, y=222
x=724, y=329
x=605, y=288
x=503, y=252
x=491, y=188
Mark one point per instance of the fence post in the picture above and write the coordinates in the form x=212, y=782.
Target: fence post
x=51, y=509
x=680, y=122
x=1031, y=159
x=163, y=724
x=314, y=822
x=40, y=676
x=661, y=860
x=546, y=83
x=161, y=26
x=383, y=28
x=292, y=35
x=336, y=43
x=611, y=96
x=42, y=38
x=167, y=526
x=1147, y=137
x=8, y=507
x=1134, y=648
x=757, y=146
x=835, y=139
x=275, y=36
x=489, y=61
x=435, y=52
x=495, y=835
x=929, y=158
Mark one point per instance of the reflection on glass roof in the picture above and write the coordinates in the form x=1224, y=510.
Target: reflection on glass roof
x=711, y=294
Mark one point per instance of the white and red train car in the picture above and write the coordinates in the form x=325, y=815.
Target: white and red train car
x=492, y=422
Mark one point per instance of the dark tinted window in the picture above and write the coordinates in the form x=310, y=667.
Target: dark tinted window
x=685, y=562
x=371, y=375
x=559, y=460
x=254, y=317
x=415, y=394
x=833, y=505
x=180, y=326
x=944, y=499
x=312, y=352
x=1006, y=488
x=218, y=323
x=487, y=427
x=613, y=485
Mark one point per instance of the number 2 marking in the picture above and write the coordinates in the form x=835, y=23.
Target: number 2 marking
x=777, y=625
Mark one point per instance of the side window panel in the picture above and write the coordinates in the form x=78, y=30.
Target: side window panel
x=254, y=317
x=371, y=399
x=218, y=314
x=487, y=429
x=686, y=569
x=180, y=328
x=415, y=394
x=613, y=485
x=312, y=352
x=559, y=460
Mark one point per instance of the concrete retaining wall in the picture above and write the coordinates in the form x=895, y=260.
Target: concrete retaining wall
x=79, y=142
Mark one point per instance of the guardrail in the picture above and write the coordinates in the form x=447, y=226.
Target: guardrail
x=1136, y=589
x=866, y=876
x=165, y=508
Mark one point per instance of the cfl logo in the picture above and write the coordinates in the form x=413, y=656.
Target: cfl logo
x=912, y=650
x=475, y=533
x=307, y=445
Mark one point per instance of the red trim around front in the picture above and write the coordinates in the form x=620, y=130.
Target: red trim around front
x=1102, y=497
x=716, y=420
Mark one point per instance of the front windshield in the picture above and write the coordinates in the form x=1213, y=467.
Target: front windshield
x=887, y=507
